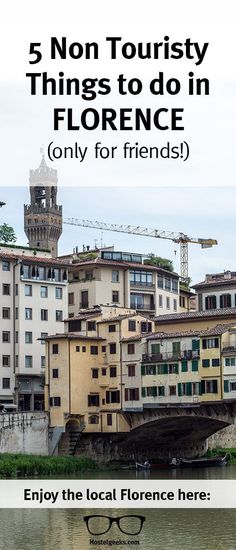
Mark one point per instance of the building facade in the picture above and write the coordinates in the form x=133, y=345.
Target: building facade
x=34, y=302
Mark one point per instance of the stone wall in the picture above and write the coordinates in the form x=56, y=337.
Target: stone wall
x=25, y=433
x=225, y=438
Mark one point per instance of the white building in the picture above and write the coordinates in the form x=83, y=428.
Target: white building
x=33, y=304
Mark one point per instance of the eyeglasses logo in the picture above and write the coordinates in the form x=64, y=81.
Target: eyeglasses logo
x=129, y=525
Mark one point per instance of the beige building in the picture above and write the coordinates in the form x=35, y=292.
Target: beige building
x=84, y=381
x=33, y=289
x=217, y=291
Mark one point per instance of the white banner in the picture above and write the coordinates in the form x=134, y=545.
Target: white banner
x=118, y=494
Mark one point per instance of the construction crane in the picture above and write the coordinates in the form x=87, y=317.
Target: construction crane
x=179, y=238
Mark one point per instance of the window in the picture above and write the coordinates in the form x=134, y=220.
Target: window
x=94, y=373
x=131, y=349
x=43, y=336
x=83, y=349
x=75, y=326
x=55, y=349
x=28, y=337
x=28, y=361
x=28, y=290
x=112, y=372
x=58, y=293
x=6, y=361
x=210, y=386
x=160, y=300
x=172, y=390
x=93, y=400
x=55, y=401
x=131, y=394
x=71, y=298
x=132, y=326
x=44, y=315
x=16, y=337
x=205, y=363
x=210, y=343
x=16, y=290
x=111, y=328
x=194, y=365
x=94, y=350
x=137, y=301
x=113, y=396
x=5, y=336
x=176, y=348
x=77, y=348
x=115, y=296
x=184, y=366
x=84, y=299
x=141, y=278
x=59, y=315
x=155, y=349
x=230, y=361
x=146, y=327
x=94, y=419
x=6, y=313
x=210, y=302
x=175, y=304
x=173, y=368
x=174, y=285
x=5, y=265
x=89, y=275
x=215, y=362
x=6, y=289
x=17, y=361
x=167, y=283
x=167, y=302
x=28, y=313
x=161, y=391
x=55, y=373
x=112, y=348
x=115, y=276
x=131, y=370
x=91, y=325
x=104, y=372
x=109, y=419
x=6, y=383
x=225, y=300
x=182, y=301
x=104, y=349
x=43, y=291
x=151, y=391
x=160, y=281
x=43, y=361
x=232, y=386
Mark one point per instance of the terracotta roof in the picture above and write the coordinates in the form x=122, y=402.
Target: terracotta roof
x=228, y=311
x=71, y=336
x=215, y=283
x=135, y=338
x=83, y=316
x=214, y=331
x=125, y=265
x=34, y=259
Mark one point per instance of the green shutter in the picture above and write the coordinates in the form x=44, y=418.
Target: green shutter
x=154, y=390
x=194, y=365
x=226, y=386
x=179, y=389
x=189, y=388
x=176, y=368
x=184, y=366
x=142, y=370
x=195, y=345
x=202, y=386
x=143, y=392
x=165, y=368
x=155, y=349
x=176, y=348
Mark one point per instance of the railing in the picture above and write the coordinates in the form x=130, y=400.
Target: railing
x=142, y=284
x=170, y=356
x=229, y=349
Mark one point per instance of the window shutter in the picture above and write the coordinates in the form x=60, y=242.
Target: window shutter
x=195, y=345
x=118, y=396
x=142, y=370
x=189, y=388
x=184, y=366
x=214, y=386
x=107, y=397
x=165, y=368
x=154, y=391
x=203, y=387
x=216, y=342
x=194, y=365
x=179, y=389
x=136, y=394
x=226, y=386
x=155, y=349
x=126, y=394
x=143, y=392
x=221, y=301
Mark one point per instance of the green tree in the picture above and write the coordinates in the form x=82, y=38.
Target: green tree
x=160, y=262
x=7, y=234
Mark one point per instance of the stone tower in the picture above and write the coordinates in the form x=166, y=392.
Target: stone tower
x=43, y=217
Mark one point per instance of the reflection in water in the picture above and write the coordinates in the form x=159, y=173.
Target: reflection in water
x=162, y=530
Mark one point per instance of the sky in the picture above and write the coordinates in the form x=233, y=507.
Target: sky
x=197, y=196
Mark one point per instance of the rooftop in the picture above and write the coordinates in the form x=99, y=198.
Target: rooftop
x=214, y=331
x=178, y=317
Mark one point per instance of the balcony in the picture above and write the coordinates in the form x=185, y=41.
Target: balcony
x=170, y=356
x=229, y=350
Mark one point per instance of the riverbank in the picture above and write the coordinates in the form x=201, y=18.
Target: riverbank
x=16, y=465
x=231, y=454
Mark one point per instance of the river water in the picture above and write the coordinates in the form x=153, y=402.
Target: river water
x=65, y=529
